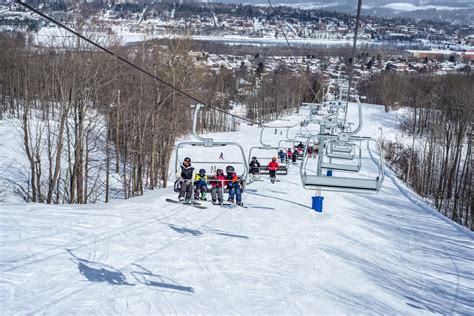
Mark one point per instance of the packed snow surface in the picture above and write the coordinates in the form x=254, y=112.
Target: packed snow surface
x=386, y=253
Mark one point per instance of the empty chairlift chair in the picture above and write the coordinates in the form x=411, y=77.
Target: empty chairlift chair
x=317, y=180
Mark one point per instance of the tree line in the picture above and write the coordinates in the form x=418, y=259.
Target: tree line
x=437, y=162
x=94, y=128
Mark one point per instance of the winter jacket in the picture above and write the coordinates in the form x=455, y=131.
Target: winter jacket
x=218, y=181
x=273, y=165
x=281, y=154
x=198, y=180
x=232, y=180
x=289, y=153
x=254, y=166
x=187, y=173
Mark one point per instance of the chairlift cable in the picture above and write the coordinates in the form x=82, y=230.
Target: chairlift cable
x=122, y=59
x=292, y=53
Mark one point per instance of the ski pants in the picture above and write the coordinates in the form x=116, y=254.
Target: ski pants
x=282, y=159
x=186, y=189
x=200, y=188
x=237, y=191
x=272, y=174
x=217, y=194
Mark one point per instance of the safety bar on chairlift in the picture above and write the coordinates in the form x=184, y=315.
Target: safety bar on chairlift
x=381, y=173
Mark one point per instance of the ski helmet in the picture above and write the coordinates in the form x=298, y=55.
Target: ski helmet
x=254, y=158
x=202, y=172
x=187, y=159
x=229, y=169
x=220, y=171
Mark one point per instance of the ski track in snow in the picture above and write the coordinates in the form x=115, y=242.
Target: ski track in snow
x=389, y=253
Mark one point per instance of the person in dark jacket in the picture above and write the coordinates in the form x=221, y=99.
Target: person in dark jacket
x=294, y=156
x=254, y=169
x=185, y=177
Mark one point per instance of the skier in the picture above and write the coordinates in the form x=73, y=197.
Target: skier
x=309, y=151
x=254, y=169
x=185, y=177
x=221, y=156
x=217, y=184
x=300, y=146
x=282, y=156
x=200, y=185
x=272, y=168
x=289, y=153
x=234, y=186
x=294, y=156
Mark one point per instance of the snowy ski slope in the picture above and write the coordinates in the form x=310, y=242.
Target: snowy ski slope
x=388, y=253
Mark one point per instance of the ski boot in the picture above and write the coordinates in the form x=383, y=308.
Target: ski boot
x=240, y=204
x=181, y=199
x=203, y=197
x=187, y=201
x=230, y=200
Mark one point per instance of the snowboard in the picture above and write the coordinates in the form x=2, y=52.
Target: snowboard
x=192, y=204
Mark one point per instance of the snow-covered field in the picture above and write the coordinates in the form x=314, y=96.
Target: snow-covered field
x=388, y=253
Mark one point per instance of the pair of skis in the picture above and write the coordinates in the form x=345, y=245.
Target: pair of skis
x=198, y=205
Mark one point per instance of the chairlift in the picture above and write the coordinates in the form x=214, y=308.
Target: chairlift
x=282, y=169
x=240, y=162
x=341, y=183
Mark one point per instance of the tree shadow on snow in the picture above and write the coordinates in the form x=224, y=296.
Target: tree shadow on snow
x=99, y=272
x=147, y=278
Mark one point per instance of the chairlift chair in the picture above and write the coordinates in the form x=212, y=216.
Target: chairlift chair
x=282, y=169
x=240, y=163
x=341, y=183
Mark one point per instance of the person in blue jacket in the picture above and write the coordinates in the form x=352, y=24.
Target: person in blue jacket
x=282, y=156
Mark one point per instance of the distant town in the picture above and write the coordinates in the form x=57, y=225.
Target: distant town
x=415, y=45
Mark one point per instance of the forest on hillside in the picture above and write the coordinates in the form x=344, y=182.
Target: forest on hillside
x=438, y=162
x=88, y=119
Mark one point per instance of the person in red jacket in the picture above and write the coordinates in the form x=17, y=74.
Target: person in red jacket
x=272, y=168
x=217, y=184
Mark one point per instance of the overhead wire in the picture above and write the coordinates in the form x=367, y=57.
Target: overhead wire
x=131, y=64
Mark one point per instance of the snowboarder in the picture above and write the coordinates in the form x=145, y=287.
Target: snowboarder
x=200, y=185
x=272, y=168
x=185, y=177
x=254, y=169
x=233, y=184
x=282, y=156
x=217, y=187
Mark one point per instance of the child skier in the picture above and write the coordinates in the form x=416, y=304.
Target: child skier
x=185, y=177
x=282, y=156
x=200, y=185
x=272, y=168
x=234, y=186
x=217, y=185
